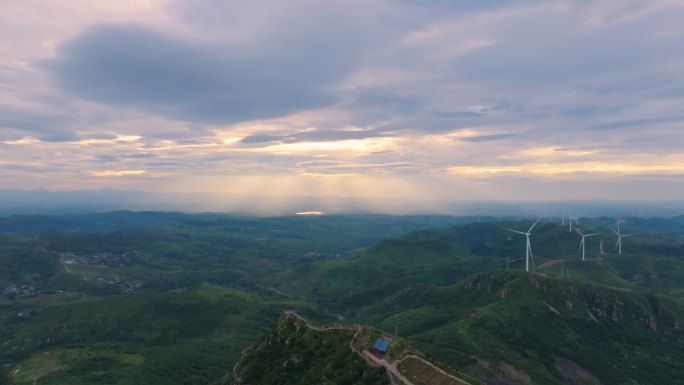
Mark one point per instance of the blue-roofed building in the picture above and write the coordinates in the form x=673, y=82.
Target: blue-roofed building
x=380, y=347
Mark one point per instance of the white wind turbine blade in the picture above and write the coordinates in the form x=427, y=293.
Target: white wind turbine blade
x=591, y=235
x=628, y=235
x=578, y=231
x=616, y=232
x=618, y=242
x=535, y=223
x=515, y=231
x=580, y=246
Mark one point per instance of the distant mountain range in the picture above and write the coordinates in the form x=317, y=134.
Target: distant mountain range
x=41, y=201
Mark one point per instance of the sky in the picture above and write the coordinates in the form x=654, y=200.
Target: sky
x=385, y=99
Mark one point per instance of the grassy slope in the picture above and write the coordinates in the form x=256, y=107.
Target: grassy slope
x=535, y=323
x=443, y=257
x=382, y=270
x=445, y=318
x=24, y=260
x=183, y=337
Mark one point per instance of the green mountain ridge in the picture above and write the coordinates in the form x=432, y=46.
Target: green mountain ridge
x=608, y=304
x=540, y=326
x=294, y=354
x=443, y=257
x=381, y=270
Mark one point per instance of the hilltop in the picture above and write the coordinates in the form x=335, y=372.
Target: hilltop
x=295, y=352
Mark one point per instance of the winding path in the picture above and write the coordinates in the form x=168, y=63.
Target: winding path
x=393, y=373
x=366, y=355
x=391, y=367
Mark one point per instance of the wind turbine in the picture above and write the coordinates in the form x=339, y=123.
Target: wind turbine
x=477, y=211
x=562, y=214
x=528, y=248
x=570, y=219
x=582, y=243
x=618, y=245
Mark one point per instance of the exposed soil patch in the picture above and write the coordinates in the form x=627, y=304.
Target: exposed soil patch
x=422, y=373
x=575, y=374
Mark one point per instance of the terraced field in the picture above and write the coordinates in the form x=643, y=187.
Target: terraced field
x=422, y=373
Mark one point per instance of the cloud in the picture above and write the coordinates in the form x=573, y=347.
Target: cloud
x=320, y=168
x=487, y=138
x=115, y=173
x=135, y=66
x=640, y=122
x=462, y=6
x=459, y=114
x=315, y=136
x=200, y=91
x=551, y=49
x=244, y=62
x=19, y=123
x=261, y=138
x=385, y=99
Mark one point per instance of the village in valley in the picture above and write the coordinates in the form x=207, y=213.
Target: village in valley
x=24, y=291
x=92, y=267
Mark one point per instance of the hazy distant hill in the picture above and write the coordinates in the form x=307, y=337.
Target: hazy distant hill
x=375, y=226
x=87, y=223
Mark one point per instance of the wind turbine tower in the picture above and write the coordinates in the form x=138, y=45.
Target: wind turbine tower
x=528, y=247
x=582, y=243
x=570, y=219
x=618, y=245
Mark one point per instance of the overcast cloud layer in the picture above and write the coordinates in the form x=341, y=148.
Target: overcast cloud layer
x=394, y=98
